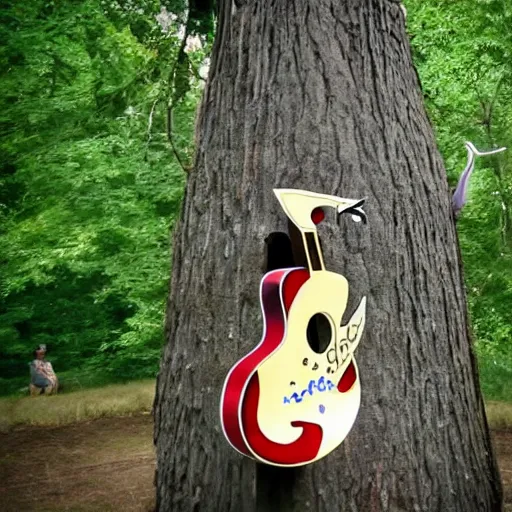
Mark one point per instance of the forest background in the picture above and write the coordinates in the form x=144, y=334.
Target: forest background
x=97, y=114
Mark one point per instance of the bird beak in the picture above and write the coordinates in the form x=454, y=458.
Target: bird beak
x=356, y=211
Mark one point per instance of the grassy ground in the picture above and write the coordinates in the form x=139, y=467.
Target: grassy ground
x=68, y=382
x=67, y=408
x=499, y=415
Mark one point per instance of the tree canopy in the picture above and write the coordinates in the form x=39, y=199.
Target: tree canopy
x=89, y=185
x=462, y=51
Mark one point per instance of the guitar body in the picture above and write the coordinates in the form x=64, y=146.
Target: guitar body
x=294, y=398
x=285, y=404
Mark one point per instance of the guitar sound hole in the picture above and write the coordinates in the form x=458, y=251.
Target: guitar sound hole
x=319, y=333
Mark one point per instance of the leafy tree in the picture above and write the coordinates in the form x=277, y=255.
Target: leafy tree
x=463, y=52
x=89, y=186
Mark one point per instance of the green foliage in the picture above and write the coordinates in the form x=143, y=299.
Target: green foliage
x=89, y=187
x=463, y=53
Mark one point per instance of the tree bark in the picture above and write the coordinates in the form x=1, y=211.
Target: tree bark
x=323, y=96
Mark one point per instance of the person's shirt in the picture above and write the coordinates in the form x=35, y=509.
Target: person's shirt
x=42, y=373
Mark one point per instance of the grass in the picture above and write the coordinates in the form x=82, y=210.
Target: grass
x=499, y=414
x=113, y=400
x=68, y=382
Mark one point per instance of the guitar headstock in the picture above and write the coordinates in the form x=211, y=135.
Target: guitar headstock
x=305, y=209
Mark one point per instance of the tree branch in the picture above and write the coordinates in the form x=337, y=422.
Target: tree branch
x=174, y=97
x=195, y=71
x=150, y=126
x=495, y=164
x=170, y=138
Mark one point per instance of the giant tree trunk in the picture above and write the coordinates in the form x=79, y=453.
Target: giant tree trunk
x=322, y=95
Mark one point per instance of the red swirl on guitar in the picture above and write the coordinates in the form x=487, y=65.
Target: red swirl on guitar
x=288, y=402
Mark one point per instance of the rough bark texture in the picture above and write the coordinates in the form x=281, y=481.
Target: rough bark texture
x=322, y=95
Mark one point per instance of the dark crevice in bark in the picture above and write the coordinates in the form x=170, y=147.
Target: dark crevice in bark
x=275, y=487
x=278, y=252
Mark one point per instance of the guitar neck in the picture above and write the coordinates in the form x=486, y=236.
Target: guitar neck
x=306, y=248
x=313, y=251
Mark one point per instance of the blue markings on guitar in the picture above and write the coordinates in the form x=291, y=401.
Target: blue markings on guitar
x=314, y=387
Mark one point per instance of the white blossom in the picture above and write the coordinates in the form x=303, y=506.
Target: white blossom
x=193, y=44
x=205, y=67
x=165, y=19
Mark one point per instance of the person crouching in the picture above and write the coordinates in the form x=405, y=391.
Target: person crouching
x=43, y=380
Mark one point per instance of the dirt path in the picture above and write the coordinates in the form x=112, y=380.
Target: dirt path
x=503, y=445
x=105, y=466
